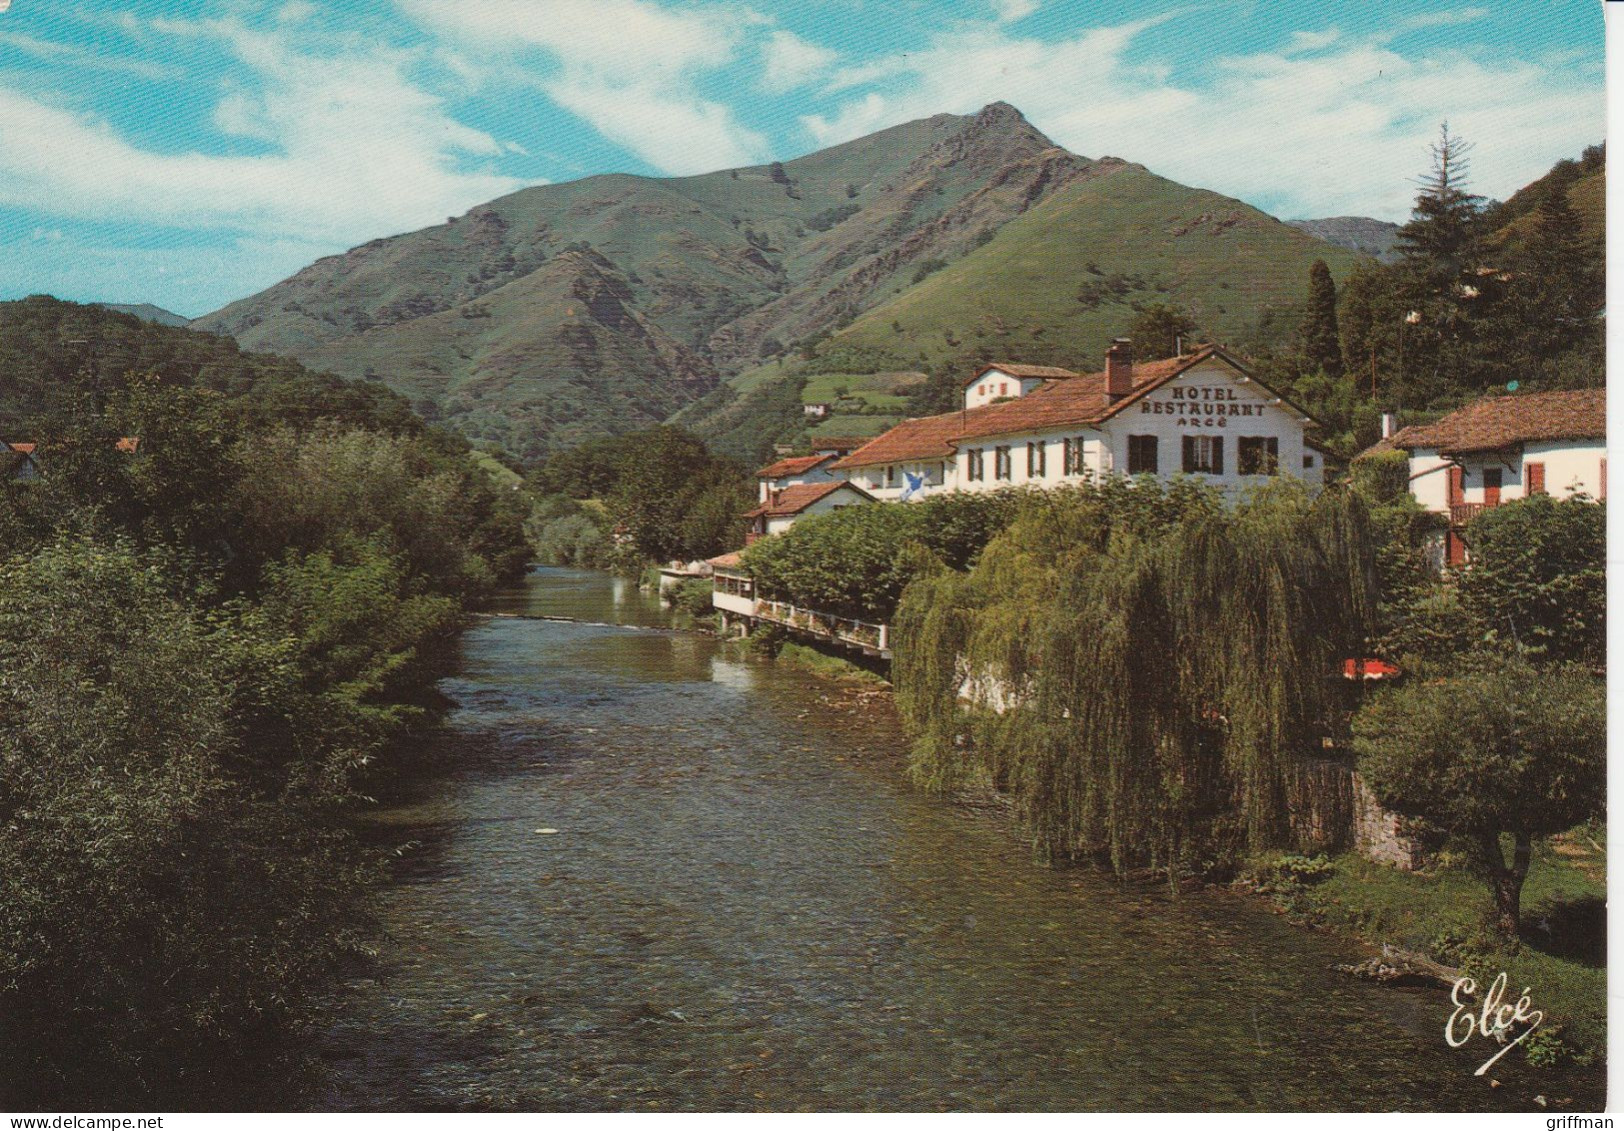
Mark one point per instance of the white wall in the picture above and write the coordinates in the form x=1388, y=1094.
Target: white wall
x=1054, y=443
x=887, y=482
x=1571, y=467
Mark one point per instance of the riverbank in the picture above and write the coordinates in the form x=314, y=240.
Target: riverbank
x=1439, y=913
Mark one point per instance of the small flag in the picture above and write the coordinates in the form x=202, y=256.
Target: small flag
x=915, y=482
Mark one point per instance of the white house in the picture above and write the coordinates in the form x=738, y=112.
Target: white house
x=785, y=506
x=1503, y=448
x=794, y=471
x=1201, y=414
x=1002, y=380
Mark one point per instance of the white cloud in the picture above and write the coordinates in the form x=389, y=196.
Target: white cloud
x=353, y=146
x=1325, y=124
x=51, y=51
x=1011, y=10
x=788, y=62
x=628, y=67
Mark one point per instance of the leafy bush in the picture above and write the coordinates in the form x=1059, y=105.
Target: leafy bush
x=1537, y=577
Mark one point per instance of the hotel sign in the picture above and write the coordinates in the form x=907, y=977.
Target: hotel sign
x=1200, y=406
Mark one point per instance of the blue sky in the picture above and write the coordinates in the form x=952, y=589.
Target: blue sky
x=189, y=153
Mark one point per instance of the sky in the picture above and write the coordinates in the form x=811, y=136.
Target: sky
x=188, y=153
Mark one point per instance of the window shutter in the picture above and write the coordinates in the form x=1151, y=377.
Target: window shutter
x=1217, y=455
x=1457, y=484
x=1189, y=454
x=1534, y=479
x=1151, y=443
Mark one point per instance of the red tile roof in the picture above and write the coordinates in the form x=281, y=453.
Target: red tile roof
x=838, y=444
x=1016, y=369
x=794, y=500
x=1080, y=401
x=26, y=449
x=725, y=561
x=794, y=465
x=1504, y=422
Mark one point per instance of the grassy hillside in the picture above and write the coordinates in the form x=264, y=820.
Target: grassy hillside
x=1065, y=278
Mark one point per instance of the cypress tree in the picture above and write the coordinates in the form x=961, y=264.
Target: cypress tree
x=1322, y=343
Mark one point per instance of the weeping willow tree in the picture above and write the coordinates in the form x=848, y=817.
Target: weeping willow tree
x=1139, y=667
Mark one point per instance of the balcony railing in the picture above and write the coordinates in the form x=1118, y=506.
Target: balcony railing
x=861, y=634
x=1462, y=513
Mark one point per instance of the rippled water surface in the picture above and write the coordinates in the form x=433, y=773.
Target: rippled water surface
x=744, y=906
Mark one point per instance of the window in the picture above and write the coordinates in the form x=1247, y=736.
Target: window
x=1491, y=486
x=1533, y=478
x=1003, y=388
x=1142, y=455
x=1257, y=455
x=1204, y=454
x=891, y=475
x=974, y=468
x=1073, y=455
x=1037, y=460
x=1001, y=466
x=1308, y=460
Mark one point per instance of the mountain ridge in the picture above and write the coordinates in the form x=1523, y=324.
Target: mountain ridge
x=560, y=312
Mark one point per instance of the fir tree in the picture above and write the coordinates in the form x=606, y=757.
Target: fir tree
x=1440, y=237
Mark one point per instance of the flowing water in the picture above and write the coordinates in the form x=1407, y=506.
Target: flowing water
x=743, y=905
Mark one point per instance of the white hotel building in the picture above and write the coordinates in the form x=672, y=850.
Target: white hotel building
x=1201, y=414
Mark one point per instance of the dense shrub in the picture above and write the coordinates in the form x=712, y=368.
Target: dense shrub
x=156, y=899
x=855, y=561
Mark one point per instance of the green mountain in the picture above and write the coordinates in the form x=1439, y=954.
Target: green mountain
x=608, y=304
x=147, y=312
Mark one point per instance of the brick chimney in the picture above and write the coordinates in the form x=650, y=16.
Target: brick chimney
x=1119, y=369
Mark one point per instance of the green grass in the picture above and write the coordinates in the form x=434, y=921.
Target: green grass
x=859, y=427
x=1442, y=913
x=826, y=666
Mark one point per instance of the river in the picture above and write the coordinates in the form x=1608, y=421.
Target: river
x=742, y=905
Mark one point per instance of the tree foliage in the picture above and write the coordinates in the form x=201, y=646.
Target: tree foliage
x=1537, y=580
x=855, y=561
x=1505, y=749
x=206, y=643
x=1159, y=330
x=1113, y=745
